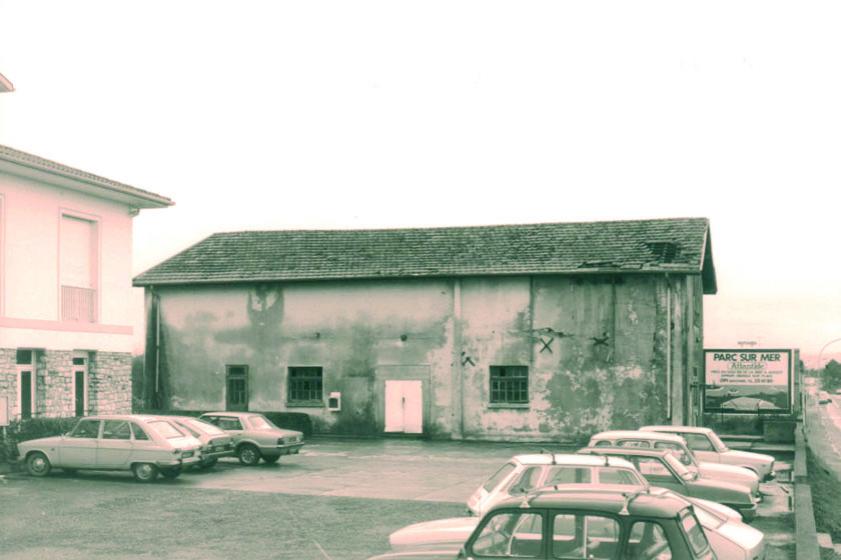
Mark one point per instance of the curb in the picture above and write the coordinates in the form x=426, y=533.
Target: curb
x=806, y=537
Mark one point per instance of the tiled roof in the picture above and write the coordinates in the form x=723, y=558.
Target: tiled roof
x=146, y=199
x=666, y=245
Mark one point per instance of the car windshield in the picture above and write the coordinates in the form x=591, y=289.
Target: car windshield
x=260, y=423
x=166, y=429
x=679, y=468
x=716, y=441
x=696, y=535
x=204, y=427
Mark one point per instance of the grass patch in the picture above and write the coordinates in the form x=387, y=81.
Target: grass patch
x=826, y=495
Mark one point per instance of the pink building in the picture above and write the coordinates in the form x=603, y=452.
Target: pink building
x=65, y=283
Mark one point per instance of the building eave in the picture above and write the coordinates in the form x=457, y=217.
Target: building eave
x=138, y=282
x=5, y=85
x=28, y=166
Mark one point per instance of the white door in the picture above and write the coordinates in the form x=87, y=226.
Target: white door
x=404, y=406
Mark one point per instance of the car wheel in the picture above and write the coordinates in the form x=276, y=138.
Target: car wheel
x=37, y=464
x=171, y=474
x=145, y=472
x=248, y=455
x=271, y=459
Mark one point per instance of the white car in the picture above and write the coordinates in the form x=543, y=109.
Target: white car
x=145, y=445
x=526, y=472
x=708, y=447
x=729, y=537
x=675, y=443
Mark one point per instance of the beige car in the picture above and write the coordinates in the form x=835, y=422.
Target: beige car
x=256, y=437
x=145, y=445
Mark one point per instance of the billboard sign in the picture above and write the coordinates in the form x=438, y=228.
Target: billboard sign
x=751, y=381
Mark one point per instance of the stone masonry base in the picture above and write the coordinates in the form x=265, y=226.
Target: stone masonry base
x=108, y=382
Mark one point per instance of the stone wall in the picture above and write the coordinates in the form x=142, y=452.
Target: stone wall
x=55, y=384
x=109, y=383
x=8, y=378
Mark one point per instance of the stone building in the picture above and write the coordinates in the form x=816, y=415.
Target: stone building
x=541, y=332
x=65, y=283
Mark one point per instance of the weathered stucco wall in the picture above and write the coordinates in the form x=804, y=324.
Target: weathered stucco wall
x=598, y=349
x=350, y=330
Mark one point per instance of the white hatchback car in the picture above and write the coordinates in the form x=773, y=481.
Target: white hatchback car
x=526, y=472
x=145, y=445
x=708, y=447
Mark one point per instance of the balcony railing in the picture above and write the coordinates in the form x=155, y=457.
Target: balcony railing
x=78, y=304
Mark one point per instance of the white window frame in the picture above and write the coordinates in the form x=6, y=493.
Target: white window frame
x=86, y=376
x=33, y=382
x=96, y=256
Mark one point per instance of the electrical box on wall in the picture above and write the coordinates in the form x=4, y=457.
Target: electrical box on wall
x=334, y=401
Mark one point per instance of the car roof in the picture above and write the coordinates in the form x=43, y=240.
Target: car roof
x=687, y=429
x=229, y=413
x=138, y=417
x=640, y=452
x=571, y=459
x=639, y=434
x=595, y=497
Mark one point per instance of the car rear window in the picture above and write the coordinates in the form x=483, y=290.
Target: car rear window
x=697, y=539
x=166, y=429
x=260, y=423
x=205, y=427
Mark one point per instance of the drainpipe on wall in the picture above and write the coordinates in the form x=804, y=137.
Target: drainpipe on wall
x=157, y=307
x=457, y=345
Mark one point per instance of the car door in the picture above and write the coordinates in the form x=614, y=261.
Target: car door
x=115, y=445
x=144, y=449
x=78, y=448
x=657, y=473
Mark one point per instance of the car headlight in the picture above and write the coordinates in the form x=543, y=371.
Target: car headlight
x=280, y=441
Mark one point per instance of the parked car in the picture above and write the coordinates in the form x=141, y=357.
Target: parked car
x=663, y=469
x=729, y=537
x=708, y=447
x=824, y=397
x=255, y=437
x=676, y=444
x=524, y=473
x=145, y=445
x=216, y=443
x=580, y=522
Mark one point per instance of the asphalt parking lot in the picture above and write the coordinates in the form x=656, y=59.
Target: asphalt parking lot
x=337, y=499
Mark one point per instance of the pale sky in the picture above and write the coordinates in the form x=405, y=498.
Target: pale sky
x=359, y=114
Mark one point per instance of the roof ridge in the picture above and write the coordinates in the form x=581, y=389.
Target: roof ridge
x=467, y=227
x=612, y=247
